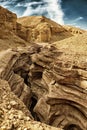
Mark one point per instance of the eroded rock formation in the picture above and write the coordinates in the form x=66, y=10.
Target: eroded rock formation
x=7, y=19
x=61, y=89
x=28, y=30
x=13, y=113
x=9, y=29
x=42, y=29
x=51, y=83
x=74, y=30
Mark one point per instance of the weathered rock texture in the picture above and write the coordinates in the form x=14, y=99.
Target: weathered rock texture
x=7, y=19
x=13, y=113
x=52, y=84
x=58, y=81
x=42, y=83
x=74, y=30
x=9, y=30
x=42, y=29
x=27, y=30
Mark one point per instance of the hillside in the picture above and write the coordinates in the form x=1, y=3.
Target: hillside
x=43, y=29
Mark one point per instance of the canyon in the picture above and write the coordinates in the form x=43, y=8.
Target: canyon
x=43, y=74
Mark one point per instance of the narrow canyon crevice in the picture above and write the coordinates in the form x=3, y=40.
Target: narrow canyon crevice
x=31, y=109
x=72, y=127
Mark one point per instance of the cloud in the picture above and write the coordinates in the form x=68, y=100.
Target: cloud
x=51, y=9
x=30, y=10
x=55, y=11
x=78, y=19
x=28, y=4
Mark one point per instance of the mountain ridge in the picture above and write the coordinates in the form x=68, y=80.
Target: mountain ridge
x=45, y=30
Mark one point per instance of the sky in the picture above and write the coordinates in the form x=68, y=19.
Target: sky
x=71, y=12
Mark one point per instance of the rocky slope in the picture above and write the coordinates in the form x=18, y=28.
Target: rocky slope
x=74, y=30
x=13, y=113
x=28, y=30
x=46, y=84
x=43, y=29
x=8, y=30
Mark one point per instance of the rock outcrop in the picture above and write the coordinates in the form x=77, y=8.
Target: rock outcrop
x=7, y=19
x=13, y=113
x=52, y=83
x=28, y=30
x=42, y=29
x=74, y=30
x=9, y=30
x=58, y=81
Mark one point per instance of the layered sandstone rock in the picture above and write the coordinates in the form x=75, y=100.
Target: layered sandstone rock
x=13, y=113
x=60, y=88
x=14, y=69
x=9, y=29
x=27, y=30
x=7, y=19
x=52, y=83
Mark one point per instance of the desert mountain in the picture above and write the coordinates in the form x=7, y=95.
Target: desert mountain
x=27, y=30
x=43, y=29
x=42, y=87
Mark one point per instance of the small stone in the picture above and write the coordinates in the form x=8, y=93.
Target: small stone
x=20, y=128
x=11, y=116
x=13, y=103
x=16, y=124
x=9, y=107
x=27, y=118
x=25, y=129
x=3, y=128
x=20, y=117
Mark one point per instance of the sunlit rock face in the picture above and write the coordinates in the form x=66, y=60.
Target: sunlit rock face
x=53, y=88
x=43, y=83
x=7, y=19
x=60, y=88
x=42, y=29
x=28, y=30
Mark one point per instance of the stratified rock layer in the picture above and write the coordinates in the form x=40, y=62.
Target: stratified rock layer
x=42, y=29
x=74, y=30
x=55, y=79
x=28, y=30
x=7, y=19
x=13, y=113
x=9, y=29
x=60, y=87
